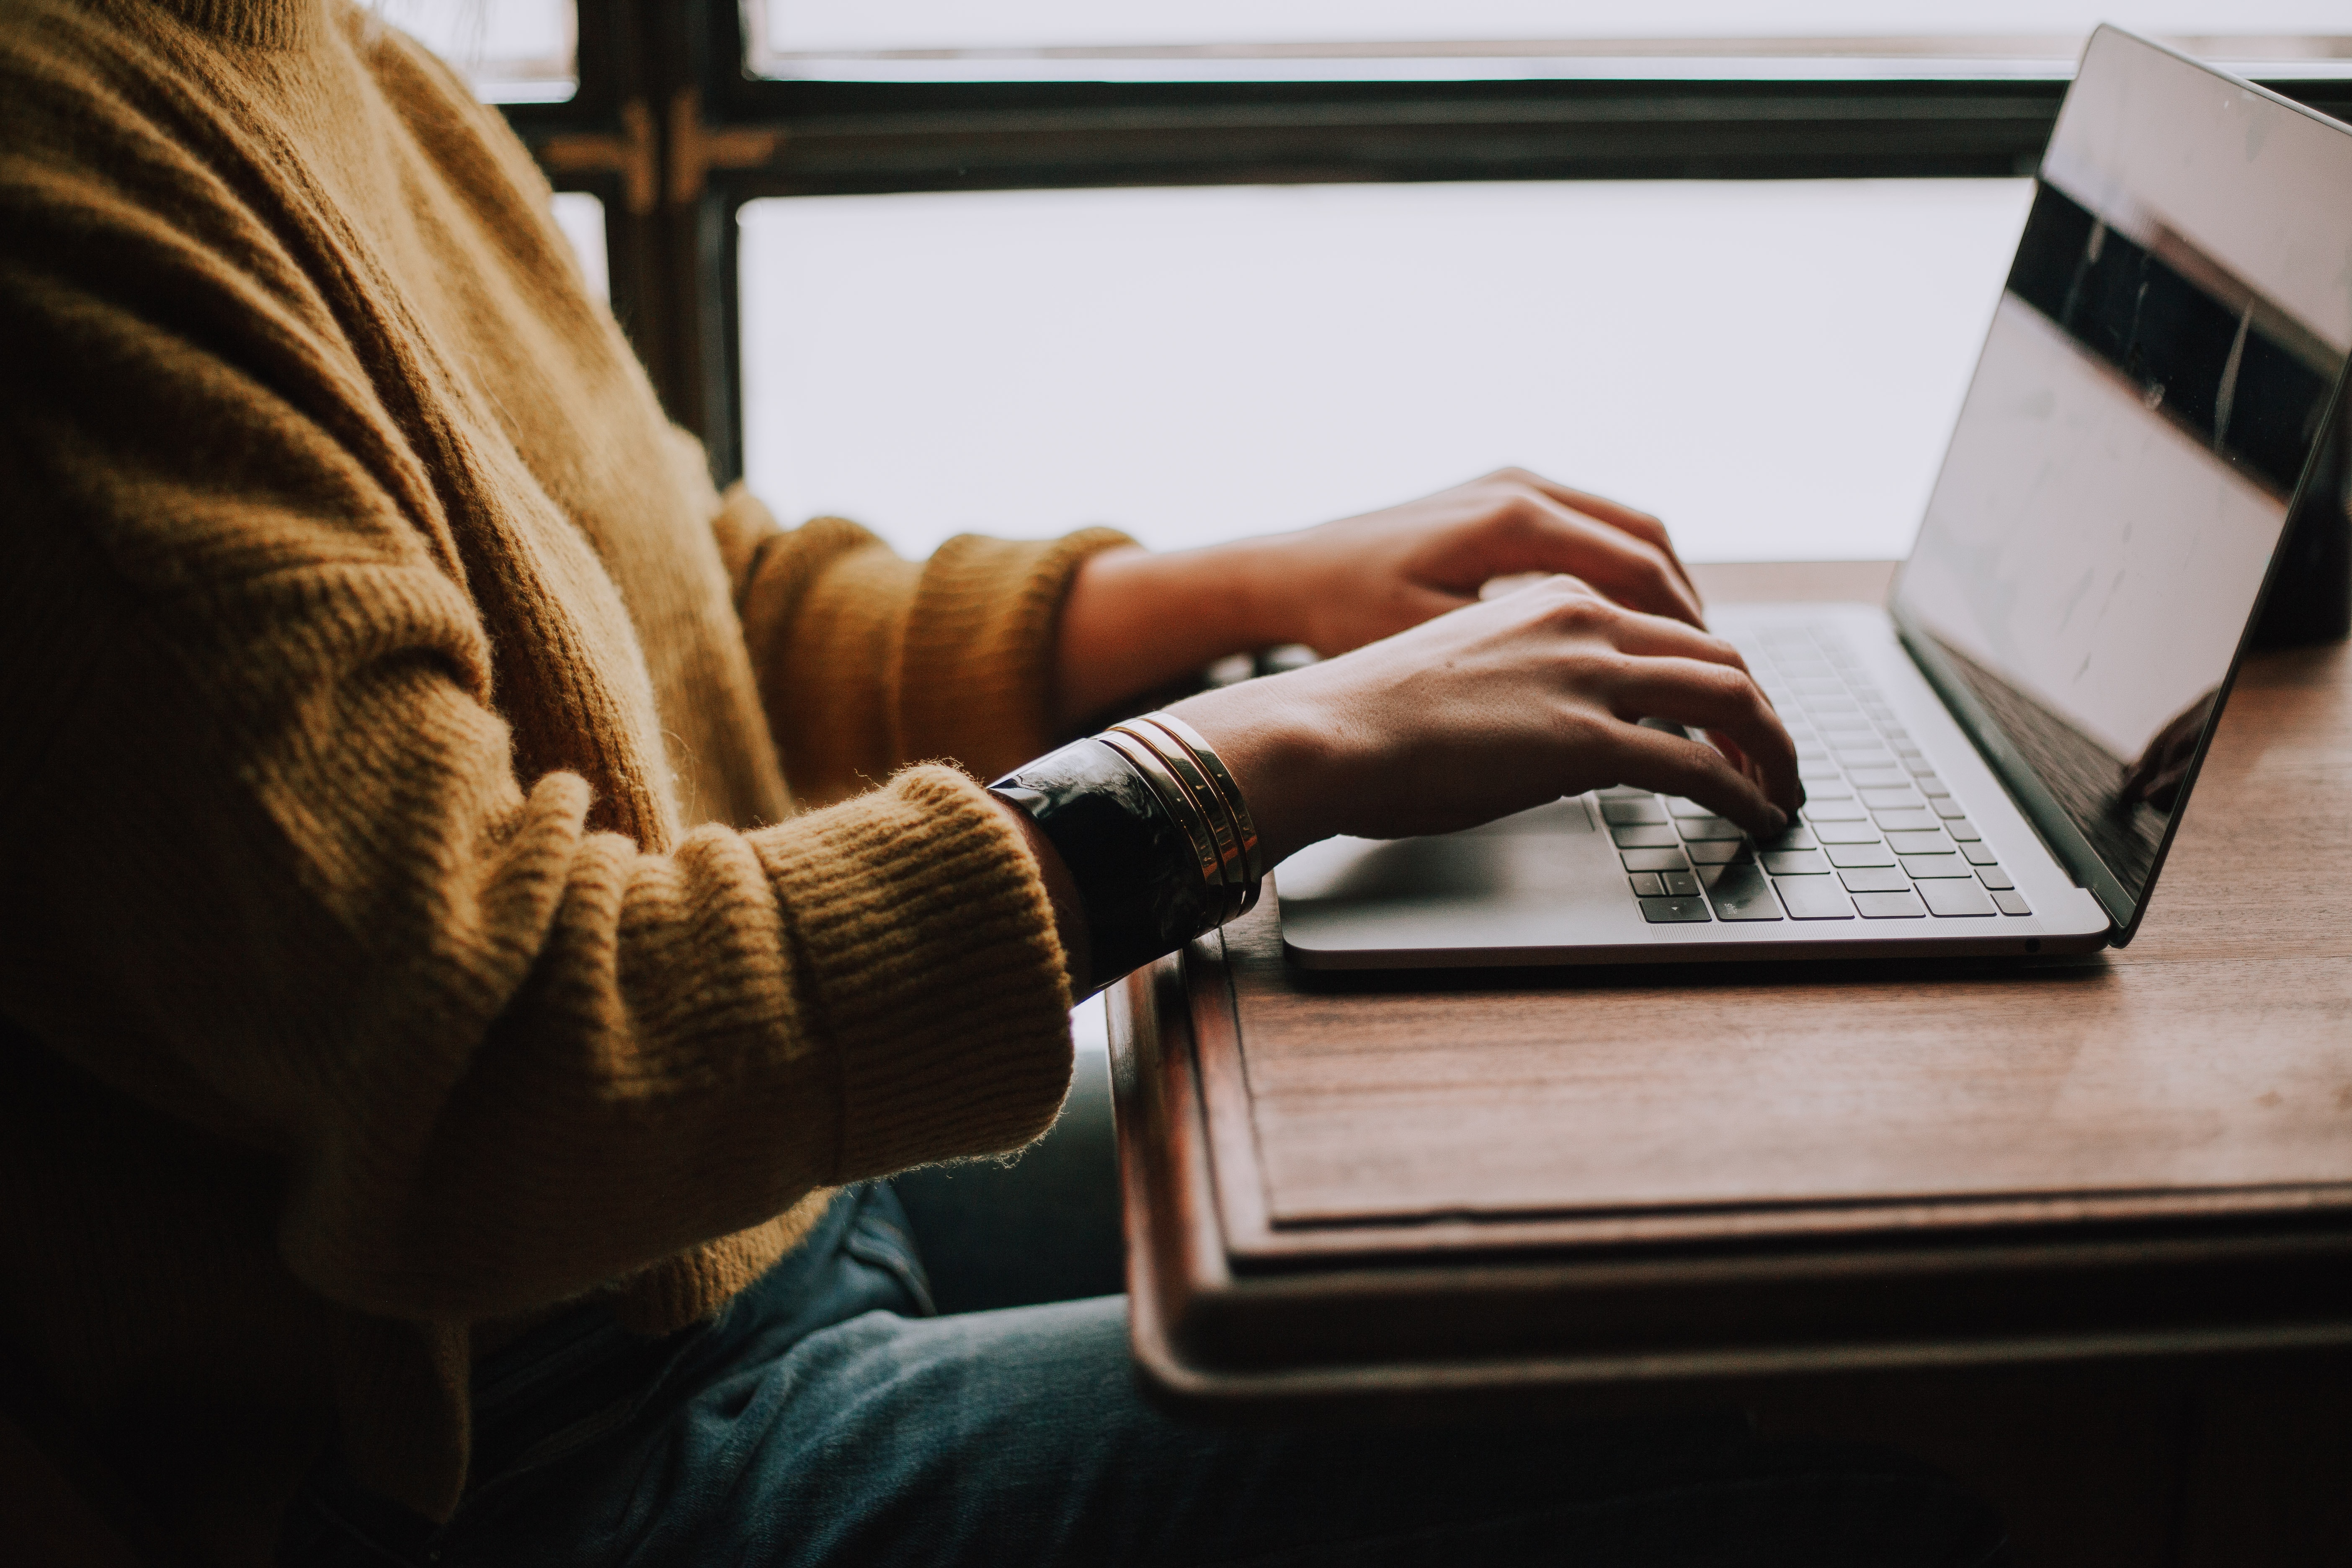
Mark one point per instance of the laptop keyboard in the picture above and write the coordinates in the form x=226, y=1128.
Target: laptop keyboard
x=1880, y=838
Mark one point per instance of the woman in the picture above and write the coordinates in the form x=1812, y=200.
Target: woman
x=437, y=1042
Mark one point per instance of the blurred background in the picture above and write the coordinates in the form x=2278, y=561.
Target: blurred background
x=1769, y=361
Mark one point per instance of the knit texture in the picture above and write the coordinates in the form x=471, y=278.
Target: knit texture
x=407, y=926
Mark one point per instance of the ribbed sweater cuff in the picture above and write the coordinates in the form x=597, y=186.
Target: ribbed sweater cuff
x=933, y=969
x=976, y=672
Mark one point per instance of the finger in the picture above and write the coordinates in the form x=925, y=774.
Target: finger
x=1720, y=700
x=1631, y=570
x=1673, y=765
x=1617, y=514
x=1660, y=637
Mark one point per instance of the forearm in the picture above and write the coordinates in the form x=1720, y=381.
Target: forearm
x=1135, y=621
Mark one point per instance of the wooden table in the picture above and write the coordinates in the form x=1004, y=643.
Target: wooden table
x=1367, y=1194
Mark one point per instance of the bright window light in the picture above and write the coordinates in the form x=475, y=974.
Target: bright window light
x=1773, y=367
x=512, y=51
x=1320, y=39
x=581, y=216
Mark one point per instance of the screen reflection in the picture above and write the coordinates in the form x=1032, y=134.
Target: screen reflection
x=2153, y=386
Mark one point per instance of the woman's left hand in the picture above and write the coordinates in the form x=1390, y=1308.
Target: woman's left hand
x=1363, y=578
x=1135, y=621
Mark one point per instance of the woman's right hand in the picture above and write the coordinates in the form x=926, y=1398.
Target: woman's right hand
x=1496, y=708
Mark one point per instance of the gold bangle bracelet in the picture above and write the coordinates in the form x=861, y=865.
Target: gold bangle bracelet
x=1180, y=743
x=1245, y=829
x=1175, y=797
x=1236, y=890
x=1209, y=798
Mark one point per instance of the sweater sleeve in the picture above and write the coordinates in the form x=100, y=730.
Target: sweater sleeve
x=866, y=662
x=276, y=868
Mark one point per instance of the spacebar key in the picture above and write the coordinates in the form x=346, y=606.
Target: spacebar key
x=1744, y=893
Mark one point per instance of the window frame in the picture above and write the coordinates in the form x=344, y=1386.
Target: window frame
x=671, y=73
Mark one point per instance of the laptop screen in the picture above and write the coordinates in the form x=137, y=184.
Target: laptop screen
x=2152, y=391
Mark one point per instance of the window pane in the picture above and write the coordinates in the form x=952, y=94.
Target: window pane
x=513, y=51
x=1772, y=366
x=1484, y=39
x=581, y=216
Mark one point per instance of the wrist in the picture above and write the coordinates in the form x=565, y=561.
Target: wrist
x=1281, y=754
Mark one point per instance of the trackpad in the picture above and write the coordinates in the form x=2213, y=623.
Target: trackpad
x=1546, y=854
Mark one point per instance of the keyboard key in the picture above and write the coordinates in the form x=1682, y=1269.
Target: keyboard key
x=1845, y=854
x=1908, y=821
x=1829, y=789
x=1696, y=828
x=1926, y=866
x=1743, y=893
x=1643, y=837
x=1680, y=884
x=1994, y=877
x=1961, y=828
x=1795, y=863
x=1626, y=792
x=1810, y=770
x=1834, y=810
x=1979, y=854
x=1954, y=900
x=1720, y=852
x=1653, y=859
x=1945, y=806
x=1879, y=778
x=1857, y=761
x=1797, y=837
x=1898, y=736
x=1624, y=812
x=1647, y=886
x=1876, y=879
x=1917, y=764
x=1815, y=898
x=1845, y=833
x=1928, y=784
x=2013, y=903
x=1677, y=806
x=1929, y=843
x=1881, y=800
x=1672, y=911
x=1903, y=906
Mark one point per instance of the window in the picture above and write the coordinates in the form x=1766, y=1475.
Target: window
x=885, y=255
x=1772, y=366
x=513, y=51
x=582, y=218
x=1317, y=40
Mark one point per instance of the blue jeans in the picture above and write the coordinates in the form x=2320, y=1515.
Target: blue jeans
x=827, y=1417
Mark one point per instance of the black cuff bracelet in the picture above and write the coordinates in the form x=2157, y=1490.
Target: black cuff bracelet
x=1135, y=868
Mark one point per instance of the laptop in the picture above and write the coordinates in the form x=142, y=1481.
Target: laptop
x=1996, y=760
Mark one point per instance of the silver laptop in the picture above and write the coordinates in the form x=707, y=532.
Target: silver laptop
x=1995, y=762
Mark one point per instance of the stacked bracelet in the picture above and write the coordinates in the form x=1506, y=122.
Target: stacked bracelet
x=1154, y=831
x=1192, y=782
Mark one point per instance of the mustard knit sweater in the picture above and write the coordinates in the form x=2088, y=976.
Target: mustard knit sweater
x=405, y=926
